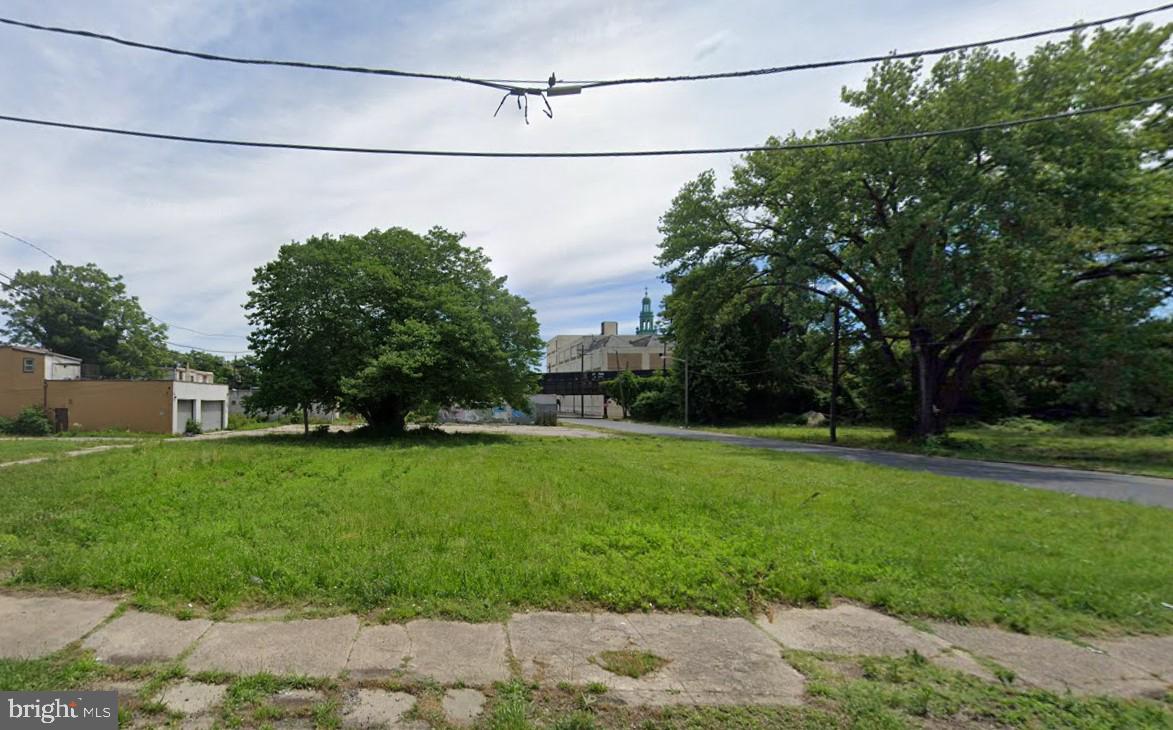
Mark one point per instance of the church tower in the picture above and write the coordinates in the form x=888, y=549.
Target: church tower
x=647, y=324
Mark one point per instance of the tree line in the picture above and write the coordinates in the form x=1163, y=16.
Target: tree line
x=378, y=325
x=1019, y=270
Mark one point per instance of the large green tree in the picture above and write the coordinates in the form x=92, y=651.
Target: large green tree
x=384, y=323
x=84, y=312
x=943, y=251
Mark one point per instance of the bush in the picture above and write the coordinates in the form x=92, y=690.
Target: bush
x=237, y=421
x=1159, y=426
x=6, y=425
x=32, y=422
x=192, y=427
x=1024, y=424
x=654, y=405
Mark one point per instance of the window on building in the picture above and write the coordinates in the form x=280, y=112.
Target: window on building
x=29, y=365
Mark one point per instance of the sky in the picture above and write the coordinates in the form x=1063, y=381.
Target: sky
x=186, y=225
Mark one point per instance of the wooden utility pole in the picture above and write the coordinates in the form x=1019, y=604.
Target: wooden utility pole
x=834, y=373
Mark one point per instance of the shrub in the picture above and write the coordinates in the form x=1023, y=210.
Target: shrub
x=1024, y=424
x=237, y=421
x=1159, y=426
x=192, y=427
x=6, y=425
x=32, y=422
x=654, y=405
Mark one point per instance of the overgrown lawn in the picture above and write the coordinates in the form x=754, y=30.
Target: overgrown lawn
x=15, y=449
x=476, y=526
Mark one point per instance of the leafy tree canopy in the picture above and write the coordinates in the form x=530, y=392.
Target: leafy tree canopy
x=383, y=323
x=84, y=312
x=944, y=251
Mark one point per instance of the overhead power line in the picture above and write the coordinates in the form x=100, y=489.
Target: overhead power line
x=31, y=245
x=515, y=86
x=204, y=349
x=258, y=61
x=160, y=321
x=938, y=51
x=793, y=147
x=197, y=332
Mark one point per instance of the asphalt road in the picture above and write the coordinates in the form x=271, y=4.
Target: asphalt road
x=1105, y=485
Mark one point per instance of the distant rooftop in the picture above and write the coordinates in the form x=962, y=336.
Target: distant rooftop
x=37, y=351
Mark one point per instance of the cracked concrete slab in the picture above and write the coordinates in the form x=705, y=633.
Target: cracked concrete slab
x=721, y=660
x=193, y=698
x=462, y=706
x=559, y=647
x=451, y=652
x=379, y=651
x=314, y=647
x=851, y=630
x=374, y=708
x=710, y=660
x=1153, y=654
x=141, y=638
x=34, y=626
x=1054, y=664
x=848, y=630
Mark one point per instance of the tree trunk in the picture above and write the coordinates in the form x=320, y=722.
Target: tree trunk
x=386, y=416
x=927, y=376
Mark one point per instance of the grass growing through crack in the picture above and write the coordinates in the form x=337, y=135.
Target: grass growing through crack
x=906, y=692
x=629, y=663
x=475, y=526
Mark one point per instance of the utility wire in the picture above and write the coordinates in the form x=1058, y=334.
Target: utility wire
x=259, y=61
x=512, y=85
x=1004, y=124
x=203, y=349
x=160, y=321
x=197, y=332
x=31, y=245
x=940, y=50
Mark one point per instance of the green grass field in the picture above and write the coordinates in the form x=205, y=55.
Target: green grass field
x=1058, y=446
x=475, y=526
x=27, y=448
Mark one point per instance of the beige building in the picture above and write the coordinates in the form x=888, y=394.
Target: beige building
x=607, y=350
x=610, y=350
x=31, y=376
x=600, y=357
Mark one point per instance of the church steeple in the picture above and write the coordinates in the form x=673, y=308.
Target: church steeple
x=647, y=320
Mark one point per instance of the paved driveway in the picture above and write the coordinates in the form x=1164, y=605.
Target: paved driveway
x=1120, y=487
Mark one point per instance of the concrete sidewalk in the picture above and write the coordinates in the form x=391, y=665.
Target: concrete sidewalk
x=706, y=660
x=1104, y=485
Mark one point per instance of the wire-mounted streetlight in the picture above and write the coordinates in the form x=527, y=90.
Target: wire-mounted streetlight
x=523, y=93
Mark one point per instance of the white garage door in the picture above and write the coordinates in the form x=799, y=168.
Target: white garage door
x=212, y=412
x=185, y=411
